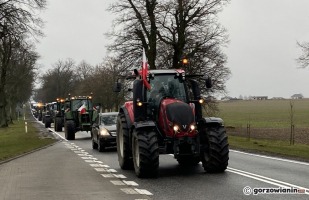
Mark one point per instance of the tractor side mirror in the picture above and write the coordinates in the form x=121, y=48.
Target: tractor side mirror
x=208, y=82
x=117, y=87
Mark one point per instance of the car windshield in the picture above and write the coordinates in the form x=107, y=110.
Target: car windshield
x=108, y=120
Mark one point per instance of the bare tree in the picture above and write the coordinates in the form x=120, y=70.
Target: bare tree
x=20, y=77
x=139, y=20
x=100, y=82
x=58, y=82
x=303, y=59
x=18, y=20
x=183, y=29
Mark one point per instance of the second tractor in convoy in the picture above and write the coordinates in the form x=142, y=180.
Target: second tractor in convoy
x=79, y=115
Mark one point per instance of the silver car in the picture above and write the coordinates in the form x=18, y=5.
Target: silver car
x=103, y=131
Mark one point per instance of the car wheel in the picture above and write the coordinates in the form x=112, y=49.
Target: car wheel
x=101, y=146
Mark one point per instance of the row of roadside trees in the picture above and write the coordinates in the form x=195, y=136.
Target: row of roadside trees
x=67, y=77
x=169, y=31
x=19, y=28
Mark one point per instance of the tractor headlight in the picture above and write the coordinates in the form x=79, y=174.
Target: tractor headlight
x=104, y=132
x=201, y=101
x=192, y=127
x=139, y=103
x=176, y=128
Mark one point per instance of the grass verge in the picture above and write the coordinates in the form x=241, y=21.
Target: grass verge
x=270, y=147
x=14, y=141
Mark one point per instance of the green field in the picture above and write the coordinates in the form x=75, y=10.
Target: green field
x=270, y=122
x=270, y=147
x=264, y=113
x=14, y=141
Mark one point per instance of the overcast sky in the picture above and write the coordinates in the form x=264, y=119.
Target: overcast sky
x=261, y=53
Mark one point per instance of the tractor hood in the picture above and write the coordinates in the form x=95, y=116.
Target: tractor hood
x=175, y=112
x=180, y=113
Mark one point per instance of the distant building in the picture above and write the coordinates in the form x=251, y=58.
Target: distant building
x=227, y=98
x=259, y=97
x=297, y=96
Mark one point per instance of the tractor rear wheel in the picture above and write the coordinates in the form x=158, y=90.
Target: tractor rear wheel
x=145, y=153
x=69, y=130
x=123, y=144
x=215, y=154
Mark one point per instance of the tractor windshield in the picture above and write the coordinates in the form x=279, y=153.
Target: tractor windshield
x=78, y=103
x=167, y=85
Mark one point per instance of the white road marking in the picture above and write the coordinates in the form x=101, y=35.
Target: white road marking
x=82, y=154
x=107, y=175
x=98, y=167
x=273, y=158
x=89, y=158
x=117, y=182
x=129, y=191
x=132, y=183
x=119, y=176
x=111, y=170
x=57, y=134
x=142, y=191
x=95, y=165
x=264, y=179
x=89, y=161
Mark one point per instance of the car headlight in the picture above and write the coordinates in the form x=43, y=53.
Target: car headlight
x=104, y=132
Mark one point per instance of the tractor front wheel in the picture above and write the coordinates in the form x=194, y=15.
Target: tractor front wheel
x=69, y=130
x=123, y=144
x=215, y=153
x=58, y=124
x=48, y=122
x=145, y=153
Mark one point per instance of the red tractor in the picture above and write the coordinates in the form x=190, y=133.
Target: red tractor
x=165, y=117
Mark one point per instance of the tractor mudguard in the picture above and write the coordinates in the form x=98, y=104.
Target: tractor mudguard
x=210, y=121
x=68, y=116
x=124, y=110
x=145, y=125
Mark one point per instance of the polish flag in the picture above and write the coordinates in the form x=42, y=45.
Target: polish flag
x=82, y=109
x=145, y=71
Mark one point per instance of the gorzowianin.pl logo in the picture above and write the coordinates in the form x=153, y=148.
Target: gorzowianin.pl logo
x=256, y=191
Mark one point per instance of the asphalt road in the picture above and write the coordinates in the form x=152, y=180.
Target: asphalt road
x=245, y=171
x=89, y=174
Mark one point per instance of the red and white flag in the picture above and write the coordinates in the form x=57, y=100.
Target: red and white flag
x=82, y=109
x=145, y=71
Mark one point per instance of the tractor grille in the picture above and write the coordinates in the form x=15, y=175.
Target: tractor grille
x=180, y=113
x=85, y=118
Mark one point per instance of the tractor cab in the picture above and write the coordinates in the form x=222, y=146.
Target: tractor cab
x=166, y=86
